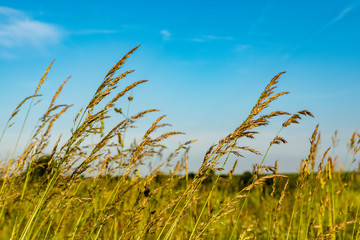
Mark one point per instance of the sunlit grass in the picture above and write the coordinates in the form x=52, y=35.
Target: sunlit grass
x=66, y=189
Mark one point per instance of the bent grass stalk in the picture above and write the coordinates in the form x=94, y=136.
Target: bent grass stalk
x=248, y=192
x=263, y=101
x=71, y=204
x=209, y=196
x=244, y=202
x=57, y=173
x=276, y=140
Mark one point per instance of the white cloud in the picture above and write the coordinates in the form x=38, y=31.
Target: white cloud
x=197, y=40
x=10, y=12
x=204, y=38
x=17, y=29
x=243, y=47
x=94, y=31
x=166, y=34
x=7, y=55
x=210, y=37
x=341, y=15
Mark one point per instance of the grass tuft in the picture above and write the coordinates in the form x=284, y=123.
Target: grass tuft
x=70, y=189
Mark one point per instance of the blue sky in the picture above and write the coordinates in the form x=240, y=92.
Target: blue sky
x=206, y=62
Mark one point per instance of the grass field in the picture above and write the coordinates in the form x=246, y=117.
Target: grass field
x=59, y=189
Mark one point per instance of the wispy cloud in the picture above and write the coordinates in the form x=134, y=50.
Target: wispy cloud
x=204, y=38
x=339, y=17
x=6, y=55
x=17, y=30
x=165, y=34
x=242, y=47
x=265, y=13
x=210, y=37
x=10, y=12
x=94, y=31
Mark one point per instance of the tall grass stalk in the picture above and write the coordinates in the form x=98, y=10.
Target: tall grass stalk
x=73, y=190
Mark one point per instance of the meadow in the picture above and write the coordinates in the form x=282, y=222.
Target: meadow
x=65, y=189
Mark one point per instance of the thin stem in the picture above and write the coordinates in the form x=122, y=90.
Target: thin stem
x=209, y=196
x=242, y=207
